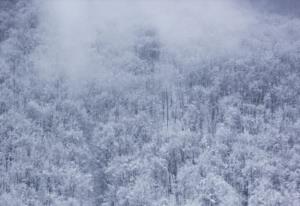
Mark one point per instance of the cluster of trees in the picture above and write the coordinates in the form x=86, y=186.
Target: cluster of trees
x=177, y=128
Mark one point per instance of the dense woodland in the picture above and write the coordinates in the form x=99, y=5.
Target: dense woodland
x=152, y=123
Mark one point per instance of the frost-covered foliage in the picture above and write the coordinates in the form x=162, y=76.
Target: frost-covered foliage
x=149, y=104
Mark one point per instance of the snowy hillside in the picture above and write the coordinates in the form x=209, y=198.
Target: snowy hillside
x=149, y=103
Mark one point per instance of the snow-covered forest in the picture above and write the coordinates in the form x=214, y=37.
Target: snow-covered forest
x=149, y=103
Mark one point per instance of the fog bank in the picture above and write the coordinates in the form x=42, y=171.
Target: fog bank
x=82, y=39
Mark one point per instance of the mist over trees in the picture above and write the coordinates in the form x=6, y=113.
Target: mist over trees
x=287, y=7
x=139, y=103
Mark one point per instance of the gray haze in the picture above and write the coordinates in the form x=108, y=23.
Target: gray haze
x=73, y=28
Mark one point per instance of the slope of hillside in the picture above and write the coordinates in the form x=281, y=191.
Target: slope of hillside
x=148, y=104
